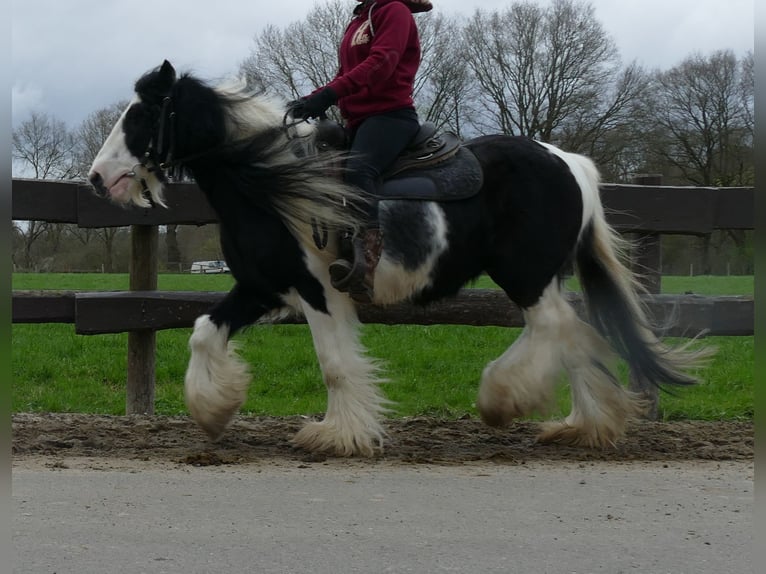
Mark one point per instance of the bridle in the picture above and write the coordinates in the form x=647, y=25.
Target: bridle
x=159, y=157
x=164, y=141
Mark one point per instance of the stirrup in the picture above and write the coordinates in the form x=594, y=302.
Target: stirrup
x=344, y=275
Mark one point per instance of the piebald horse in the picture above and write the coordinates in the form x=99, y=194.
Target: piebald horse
x=536, y=209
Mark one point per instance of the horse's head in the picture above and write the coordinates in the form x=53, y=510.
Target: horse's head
x=130, y=166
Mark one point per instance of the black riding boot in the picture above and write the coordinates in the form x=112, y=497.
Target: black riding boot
x=356, y=276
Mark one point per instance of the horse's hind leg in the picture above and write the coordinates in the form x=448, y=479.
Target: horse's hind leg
x=216, y=379
x=523, y=379
x=355, y=405
x=601, y=406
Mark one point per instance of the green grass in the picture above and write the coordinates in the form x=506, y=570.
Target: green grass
x=118, y=282
x=432, y=369
x=700, y=285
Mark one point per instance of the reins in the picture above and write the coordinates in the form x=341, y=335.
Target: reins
x=159, y=157
x=166, y=161
x=319, y=231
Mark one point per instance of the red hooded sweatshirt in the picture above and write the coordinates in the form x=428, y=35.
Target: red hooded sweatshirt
x=379, y=57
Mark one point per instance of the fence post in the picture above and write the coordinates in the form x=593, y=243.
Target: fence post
x=647, y=256
x=647, y=262
x=142, y=344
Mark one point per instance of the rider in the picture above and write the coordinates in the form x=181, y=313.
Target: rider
x=379, y=56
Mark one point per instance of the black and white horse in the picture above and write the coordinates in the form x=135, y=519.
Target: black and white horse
x=537, y=210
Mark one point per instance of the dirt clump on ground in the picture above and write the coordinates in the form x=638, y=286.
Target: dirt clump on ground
x=416, y=440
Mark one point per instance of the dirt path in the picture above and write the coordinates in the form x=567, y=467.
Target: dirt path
x=130, y=492
x=176, y=440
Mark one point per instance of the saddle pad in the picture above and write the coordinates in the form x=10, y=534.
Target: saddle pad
x=459, y=177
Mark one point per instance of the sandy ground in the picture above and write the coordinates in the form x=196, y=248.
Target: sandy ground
x=174, y=440
x=139, y=494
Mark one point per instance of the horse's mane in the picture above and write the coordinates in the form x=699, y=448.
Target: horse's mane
x=270, y=160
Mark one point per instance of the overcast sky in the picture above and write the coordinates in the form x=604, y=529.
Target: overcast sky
x=72, y=57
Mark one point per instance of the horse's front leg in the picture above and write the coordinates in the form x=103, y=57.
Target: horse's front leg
x=216, y=379
x=355, y=404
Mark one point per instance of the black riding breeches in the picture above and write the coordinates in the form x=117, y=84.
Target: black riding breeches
x=376, y=144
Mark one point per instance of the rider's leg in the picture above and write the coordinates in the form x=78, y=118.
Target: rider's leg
x=375, y=146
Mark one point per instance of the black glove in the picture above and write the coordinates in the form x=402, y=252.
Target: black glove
x=313, y=106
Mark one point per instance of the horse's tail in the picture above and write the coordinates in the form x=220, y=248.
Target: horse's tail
x=612, y=294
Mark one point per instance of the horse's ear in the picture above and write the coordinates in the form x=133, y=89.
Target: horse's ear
x=167, y=74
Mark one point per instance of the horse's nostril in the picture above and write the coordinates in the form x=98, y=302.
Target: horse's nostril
x=98, y=184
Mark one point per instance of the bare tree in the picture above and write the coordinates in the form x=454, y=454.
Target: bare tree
x=747, y=91
x=294, y=61
x=551, y=73
x=702, y=110
x=43, y=145
x=608, y=128
x=703, y=113
x=43, y=149
x=92, y=133
x=443, y=82
x=490, y=53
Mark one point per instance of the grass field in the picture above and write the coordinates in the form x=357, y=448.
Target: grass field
x=701, y=285
x=432, y=369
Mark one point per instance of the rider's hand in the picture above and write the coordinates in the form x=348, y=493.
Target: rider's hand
x=314, y=105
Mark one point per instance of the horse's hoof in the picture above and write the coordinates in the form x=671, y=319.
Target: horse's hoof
x=498, y=408
x=496, y=417
x=560, y=432
x=323, y=437
x=216, y=424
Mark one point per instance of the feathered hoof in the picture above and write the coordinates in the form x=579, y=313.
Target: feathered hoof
x=214, y=424
x=214, y=411
x=325, y=437
x=499, y=414
x=500, y=409
x=559, y=432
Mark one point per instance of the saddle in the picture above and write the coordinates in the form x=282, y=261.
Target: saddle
x=426, y=148
x=433, y=167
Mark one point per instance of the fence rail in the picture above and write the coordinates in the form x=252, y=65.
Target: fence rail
x=646, y=210
x=632, y=208
x=95, y=313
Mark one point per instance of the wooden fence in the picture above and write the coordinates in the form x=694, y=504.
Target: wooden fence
x=648, y=210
